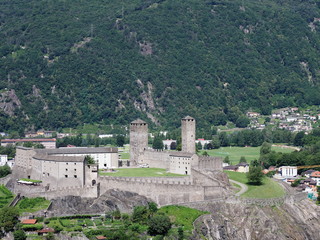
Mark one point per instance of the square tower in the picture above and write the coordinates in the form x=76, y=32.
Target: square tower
x=138, y=139
x=188, y=134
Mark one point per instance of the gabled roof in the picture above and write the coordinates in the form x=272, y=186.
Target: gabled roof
x=54, y=158
x=231, y=167
x=243, y=164
x=78, y=150
x=138, y=121
x=29, y=221
x=316, y=174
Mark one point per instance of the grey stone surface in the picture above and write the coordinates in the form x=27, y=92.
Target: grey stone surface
x=109, y=201
x=298, y=220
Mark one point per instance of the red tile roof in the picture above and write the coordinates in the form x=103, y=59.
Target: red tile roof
x=315, y=174
x=29, y=221
x=101, y=237
x=46, y=230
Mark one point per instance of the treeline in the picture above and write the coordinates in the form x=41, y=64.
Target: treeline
x=92, y=140
x=91, y=62
x=308, y=155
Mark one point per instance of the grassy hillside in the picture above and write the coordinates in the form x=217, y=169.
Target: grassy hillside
x=73, y=62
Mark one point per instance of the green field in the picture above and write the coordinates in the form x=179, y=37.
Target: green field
x=5, y=196
x=269, y=188
x=30, y=205
x=235, y=153
x=183, y=216
x=140, y=172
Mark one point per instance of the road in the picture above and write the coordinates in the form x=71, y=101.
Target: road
x=244, y=187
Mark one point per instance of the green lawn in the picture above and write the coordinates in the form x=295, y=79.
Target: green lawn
x=30, y=205
x=269, y=188
x=125, y=155
x=250, y=153
x=5, y=196
x=140, y=172
x=180, y=215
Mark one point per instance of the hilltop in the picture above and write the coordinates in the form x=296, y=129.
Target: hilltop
x=65, y=63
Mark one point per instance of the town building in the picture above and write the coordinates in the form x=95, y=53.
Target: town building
x=48, y=143
x=105, y=157
x=3, y=160
x=288, y=171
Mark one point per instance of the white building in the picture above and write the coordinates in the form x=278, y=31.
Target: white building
x=168, y=143
x=288, y=171
x=105, y=157
x=3, y=160
x=203, y=141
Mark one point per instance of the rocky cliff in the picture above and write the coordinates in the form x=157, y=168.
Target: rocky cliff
x=300, y=220
x=110, y=201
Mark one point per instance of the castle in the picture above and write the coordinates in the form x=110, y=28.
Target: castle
x=66, y=172
x=180, y=162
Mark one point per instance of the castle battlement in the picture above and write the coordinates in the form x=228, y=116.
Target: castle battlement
x=150, y=180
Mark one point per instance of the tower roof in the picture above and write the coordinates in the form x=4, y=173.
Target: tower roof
x=138, y=121
x=188, y=117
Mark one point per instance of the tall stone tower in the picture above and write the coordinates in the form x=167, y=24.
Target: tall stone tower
x=138, y=139
x=188, y=134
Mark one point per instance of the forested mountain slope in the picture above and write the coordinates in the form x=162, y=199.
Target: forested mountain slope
x=64, y=63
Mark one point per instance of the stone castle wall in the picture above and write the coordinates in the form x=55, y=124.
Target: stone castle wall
x=5, y=180
x=155, y=158
x=36, y=191
x=163, y=191
x=210, y=163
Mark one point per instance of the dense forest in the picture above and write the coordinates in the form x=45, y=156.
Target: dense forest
x=64, y=63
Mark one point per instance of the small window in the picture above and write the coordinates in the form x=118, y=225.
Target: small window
x=75, y=163
x=105, y=165
x=48, y=174
x=75, y=169
x=75, y=176
x=66, y=163
x=66, y=176
x=66, y=169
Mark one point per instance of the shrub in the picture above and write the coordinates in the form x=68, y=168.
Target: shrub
x=32, y=227
x=159, y=225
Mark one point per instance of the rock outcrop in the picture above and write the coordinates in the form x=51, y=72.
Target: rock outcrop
x=110, y=201
x=300, y=221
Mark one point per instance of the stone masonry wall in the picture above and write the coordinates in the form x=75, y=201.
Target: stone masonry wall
x=162, y=191
x=36, y=191
x=155, y=159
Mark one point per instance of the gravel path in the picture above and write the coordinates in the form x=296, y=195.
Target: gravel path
x=244, y=187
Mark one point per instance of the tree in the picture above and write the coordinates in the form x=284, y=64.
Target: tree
x=226, y=160
x=120, y=140
x=199, y=146
x=205, y=153
x=140, y=214
x=298, y=139
x=173, y=146
x=89, y=160
x=180, y=233
x=157, y=143
x=242, y=121
x=153, y=207
x=4, y=170
x=255, y=175
x=19, y=235
x=243, y=159
x=8, y=218
x=265, y=148
x=159, y=225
